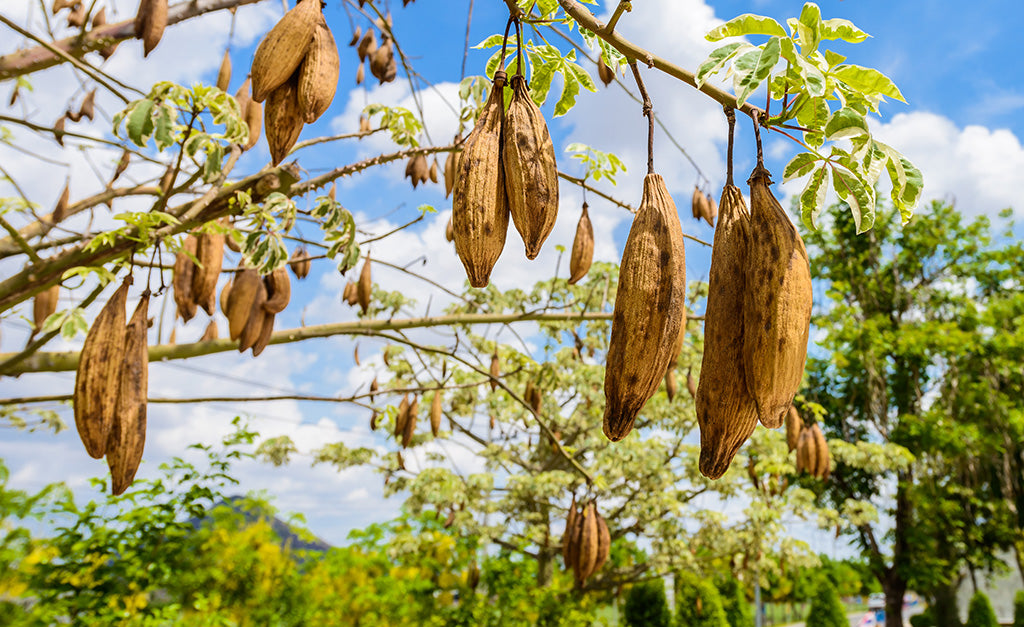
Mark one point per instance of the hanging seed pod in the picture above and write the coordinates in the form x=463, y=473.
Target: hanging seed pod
x=434, y=174
x=44, y=305
x=823, y=461
x=254, y=322
x=364, y=124
x=122, y=165
x=364, y=288
x=279, y=291
x=402, y=416
x=531, y=174
x=495, y=370
x=401, y=462
x=224, y=73
x=449, y=231
x=649, y=309
x=605, y=73
x=244, y=292
x=451, y=167
x=76, y=19
x=777, y=305
x=588, y=539
x=150, y=22
x=582, y=248
x=435, y=414
x=806, y=453
x=61, y=210
x=243, y=99
x=570, y=521
x=373, y=388
x=128, y=429
x=409, y=428
x=252, y=113
x=99, y=368
x=88, y=107
x=210, y=253
x=671, y=385
x=367, y=45
x=793, y=426
x=373, y=420
x=184, y=268
x=266, y=332
x=318, y=73
x=536, y=400
x=360, y=74
x=725, y=410
x=604, y=541
x=282, y=49
x=712, y=208
x=697, y=203
x=480, y=205
x=349, y=293
x=355, y=355
x=282, y=117
x=210, y=334
x=355, y=37
x=381, y=62
x=420, y=169
x=691, y=385
x=225, y=294
x=300, y=263
x=100, y=19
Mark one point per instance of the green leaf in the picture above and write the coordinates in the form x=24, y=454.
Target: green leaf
x=800, y=165
x=747, y=24
x=845, y=123
x=569, y=93
x=813, y=77
x=867, y=80
x=833, y=59
x=812, y=199
x=809, y=28
x=718, y=58
x=140, y=124
x=837, y=28
x=860, y=197
x=757, y=66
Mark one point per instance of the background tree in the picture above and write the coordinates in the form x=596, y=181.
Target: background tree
x=698, y=602
x=646, y=605
x=980, y=612
x=826, y=610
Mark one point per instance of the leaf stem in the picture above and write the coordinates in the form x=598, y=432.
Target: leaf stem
x=648, y=110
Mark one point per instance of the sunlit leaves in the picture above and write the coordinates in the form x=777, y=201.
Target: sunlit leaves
x=400, y=122
x=598, y=164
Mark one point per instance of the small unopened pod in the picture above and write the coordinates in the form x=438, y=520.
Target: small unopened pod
x=582, y=248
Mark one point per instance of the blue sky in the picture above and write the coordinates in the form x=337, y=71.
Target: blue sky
x=954, y=62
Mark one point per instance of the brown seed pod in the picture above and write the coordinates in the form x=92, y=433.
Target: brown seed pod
x=122, y=165
x=88, y=107
x=567, y=538
x=649, y=309
x=300, y=263
x=184, y=269
x=823, y=461
x=536, y=400
x=360, y=74
x=373, y=388
x=251, y=112
x=697, y=203
x=225, y=294
x=582, y=248
x=402, y=416
x=434, y=172
x=210, y=253
x=480, y=204
x=282, y=117
x=59, y=5
x=382, y=62
x=806, y=453
x=76, y=19
x=58, y=130
x=355, y=355
x=435, y=413
x=254, y=323
x=605, y=73
x=725, y=410
x=210, y=334
x=99, y=367
x=128, y=429
x=604, y=541
x=356, y=34
x=401, y=462
x=367, y=45
x=671, y=385
x=266, y=332
x=150, y=22
x=451, y=168
x=495, y=370
x=244, y=292
x=575, y=530
x=167, y=180
x=364, y=124
x=417, y=169
x=712, y=208
x=61, y=210
x=793, y=426
x=373, y=420
x=449, y=231
x=349, y=293
x=279, y=291
x=691, y=385
x=44, y=305
x=586, y=561
x=318, y=74
x=364, y=288
x=531, y=174
x=777, y=305
x=224, y=73
x=99, y=19
x=283, y=49
x=409, y=428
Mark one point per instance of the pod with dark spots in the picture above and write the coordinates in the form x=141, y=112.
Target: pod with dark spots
x=128, y=430
x=282, y=118
x=318, y=73
x=726, y=412
x=210, y=254
x=181, y=280
x=777, y=305
x=582, y=248
x=282, y=50
x=650, y=308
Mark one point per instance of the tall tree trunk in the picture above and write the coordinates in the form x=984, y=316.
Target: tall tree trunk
x=894, y=588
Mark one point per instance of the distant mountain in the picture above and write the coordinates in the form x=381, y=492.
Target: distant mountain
x=288, y=537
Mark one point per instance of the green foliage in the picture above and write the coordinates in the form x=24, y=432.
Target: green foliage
x=826, y=609
x=739, y=611
x=646, y=605
x=598, y=164
x=400, y=122
x=1018, y=609
x=924, y=619
x=698, y=603
x=980, y=612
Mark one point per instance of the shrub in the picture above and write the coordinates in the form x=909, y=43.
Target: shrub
x=646, y=605
x=980, y=613
x=826, y=610
x=698, y=603
x=924, y=619
x=739, y=612
x=1018, y=609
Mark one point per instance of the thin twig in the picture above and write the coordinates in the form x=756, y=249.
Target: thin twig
x=649, y=112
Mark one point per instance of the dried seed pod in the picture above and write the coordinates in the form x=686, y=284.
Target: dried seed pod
x=61, y=210
x=252, y=113
x=244, y=291
x=355, y=36
x=76, y=19
x=184, y=268
x=434, y=172
x=364, y=124
x=299, y=263
x=224, y=73
x=360, y=74
x=691, y=385
x=671, y=385
x=43, y=306
x=381, y=61
x=536, y=399
x=59, y=5
x=279, y=291
x=210, y=254
x=401, y=462
x=531, y=174
x=225, y=294
x=402, y=416
x=480, y=205
x=588, y=541
x=649, y=309
x=793, y=426
x=128, y=429
x=167, y=180
x=122, y=165
x=283, y=49
x=355, y=355
x=373, y=388
x=451, y=167
x=254, y=322
x=604, y=541
x=364, y=288
x=282, y=117
x=777, y=305
x=697, y=203
x=582, y=248
x=712, y=208
x=806, y=453
x=409, y=428
x=349, y=293
x=495, y=370
x=210, y=334
x=88, y=107
x=567, y=538
x=99, y=367
x=266, y=332
x=435, y=413
x=449, y=231
x=99, y=19
x=318, y=74
x=605, y=73
x=575, y=530
x=150, y=22
x=419, y=170
x=367, y=45
x=725, y=410
x=373, y=420
x=823, y=461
